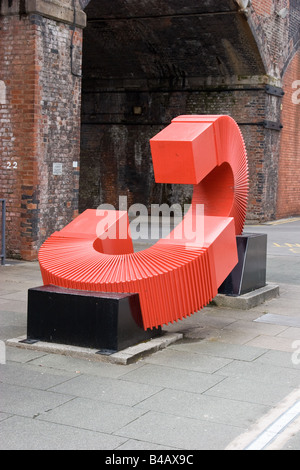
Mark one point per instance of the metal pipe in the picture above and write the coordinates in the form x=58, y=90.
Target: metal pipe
x=3, y=231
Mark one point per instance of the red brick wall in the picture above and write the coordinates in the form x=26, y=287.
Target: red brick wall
x=18, y=177
x=263, y=8
x=288, y=202
x=116, y=159
x=40, y=122
x=58, y=114
x=272, y=32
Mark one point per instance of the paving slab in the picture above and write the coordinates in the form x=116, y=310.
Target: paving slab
x=93, y=415
x=222, y=350
x=180, y=432
x=261, y=372
x=121, y=392
x=275, y=319
x=279, y=359
x=277, y=343
x=22, y=355
x=134, y=445
x=292, y=333
x=173, y=378
x=250, y=391
x=26, y=401
x=77, y=365
x=188, y=360
x=23, y=433
x=206, y=408
x=32, y=376
x=293, y=443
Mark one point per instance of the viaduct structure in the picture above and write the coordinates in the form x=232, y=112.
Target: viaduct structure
x=85, y=84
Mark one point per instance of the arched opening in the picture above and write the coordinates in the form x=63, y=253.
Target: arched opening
x=145, y=63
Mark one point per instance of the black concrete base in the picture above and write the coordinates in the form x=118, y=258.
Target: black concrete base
x=250, y=272
x=105, y=321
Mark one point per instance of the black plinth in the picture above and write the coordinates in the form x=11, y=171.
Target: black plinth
x=107, y=322
x=250, y=272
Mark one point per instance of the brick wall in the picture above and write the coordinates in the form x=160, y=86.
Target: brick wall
x=278, y=39
x=251, y=107
x=115, y=154
x=39, y=120
x=272, y=32
x=19, y=171
x=58, y=114
x=288, y=202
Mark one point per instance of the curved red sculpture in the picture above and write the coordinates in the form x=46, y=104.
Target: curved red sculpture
x=180, y=274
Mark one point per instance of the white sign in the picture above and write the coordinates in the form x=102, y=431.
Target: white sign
x=57, y=169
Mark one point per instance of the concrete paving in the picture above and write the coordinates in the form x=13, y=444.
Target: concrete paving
x=232, y=380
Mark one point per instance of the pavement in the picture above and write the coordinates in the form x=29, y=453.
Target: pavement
x=231, y=381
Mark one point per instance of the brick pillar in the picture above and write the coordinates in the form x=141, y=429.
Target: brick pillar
x=40, y=88
x=288, y=202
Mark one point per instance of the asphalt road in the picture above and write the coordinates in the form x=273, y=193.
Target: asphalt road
x=283, y=260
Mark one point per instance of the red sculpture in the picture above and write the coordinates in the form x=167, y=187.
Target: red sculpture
x=180, y=274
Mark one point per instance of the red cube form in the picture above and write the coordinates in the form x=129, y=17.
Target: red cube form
x=184, y=152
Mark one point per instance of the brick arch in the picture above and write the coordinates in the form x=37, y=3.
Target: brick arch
x=144, y=63
x=169, y=40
